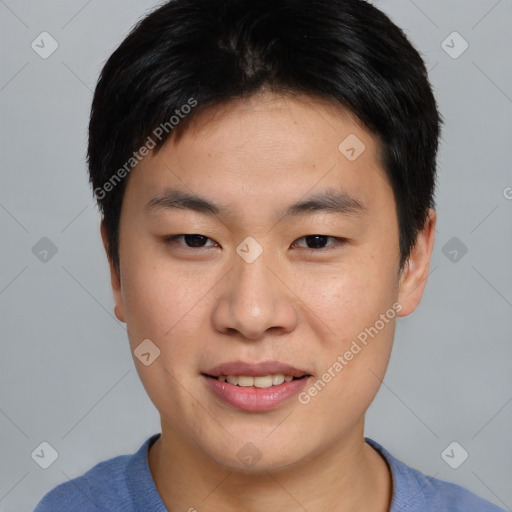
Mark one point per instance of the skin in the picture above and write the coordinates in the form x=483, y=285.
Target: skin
x=303, y=306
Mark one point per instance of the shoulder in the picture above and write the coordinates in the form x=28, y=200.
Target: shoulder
x=89, y=491
x=106, y=486
x=452, y=497
x=441, y=495
x=414, y=491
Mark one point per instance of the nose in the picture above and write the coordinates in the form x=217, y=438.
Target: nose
x=255, y=298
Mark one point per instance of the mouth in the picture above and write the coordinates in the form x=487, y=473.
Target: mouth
x=261, y=382
x=255, y=387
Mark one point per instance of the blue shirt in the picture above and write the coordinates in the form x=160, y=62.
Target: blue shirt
x=125, y=484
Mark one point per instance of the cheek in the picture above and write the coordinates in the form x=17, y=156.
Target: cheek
x=163, y=305
x=348, y=298
x=156, y=294
x=356, y=339
x=168, y=304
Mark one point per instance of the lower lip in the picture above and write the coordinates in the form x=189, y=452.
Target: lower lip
x=254, y=399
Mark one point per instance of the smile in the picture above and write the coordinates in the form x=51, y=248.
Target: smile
x=262, y=382
x=255, y=394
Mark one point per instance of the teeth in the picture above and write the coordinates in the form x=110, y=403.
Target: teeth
x=232, y=380
x=264, y=381
x=245, y=382
x=277, y=379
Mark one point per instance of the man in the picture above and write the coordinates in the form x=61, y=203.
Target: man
x=265, y=172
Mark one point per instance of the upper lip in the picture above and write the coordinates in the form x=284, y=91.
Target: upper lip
x=255, y=369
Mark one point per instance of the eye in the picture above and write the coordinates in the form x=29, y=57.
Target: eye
x=318, y=242
x=192, y=241
x=310, y=242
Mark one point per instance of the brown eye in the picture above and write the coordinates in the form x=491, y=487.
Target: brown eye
x=192, y=241
x=319, y=242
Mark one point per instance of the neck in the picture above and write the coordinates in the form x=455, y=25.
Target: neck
x=350, y=476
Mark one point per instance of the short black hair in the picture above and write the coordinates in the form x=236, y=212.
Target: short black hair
x=203, y=53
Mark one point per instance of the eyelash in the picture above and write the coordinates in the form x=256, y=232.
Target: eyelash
x=339, y=241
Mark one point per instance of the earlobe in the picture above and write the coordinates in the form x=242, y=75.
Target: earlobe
x=414, y=276
x=115, y=278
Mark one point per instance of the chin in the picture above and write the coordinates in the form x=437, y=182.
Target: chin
x=256, y=453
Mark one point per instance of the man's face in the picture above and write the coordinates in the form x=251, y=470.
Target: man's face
x=255, y=285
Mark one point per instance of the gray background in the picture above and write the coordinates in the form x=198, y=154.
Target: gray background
x=67, y=376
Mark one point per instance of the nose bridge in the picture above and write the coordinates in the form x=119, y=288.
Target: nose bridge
x=254, y=300
x=254, y=285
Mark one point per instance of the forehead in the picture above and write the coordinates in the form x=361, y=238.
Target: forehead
x=274, y=120
x=267, y=149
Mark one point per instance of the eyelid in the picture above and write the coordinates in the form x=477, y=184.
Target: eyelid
x=172, y=238
x=339, y=241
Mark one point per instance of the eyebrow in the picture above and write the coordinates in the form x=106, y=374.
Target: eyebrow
x=327, y=201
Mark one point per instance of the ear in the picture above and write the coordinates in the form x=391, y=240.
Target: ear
x=415, y=273
x=115, y=278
